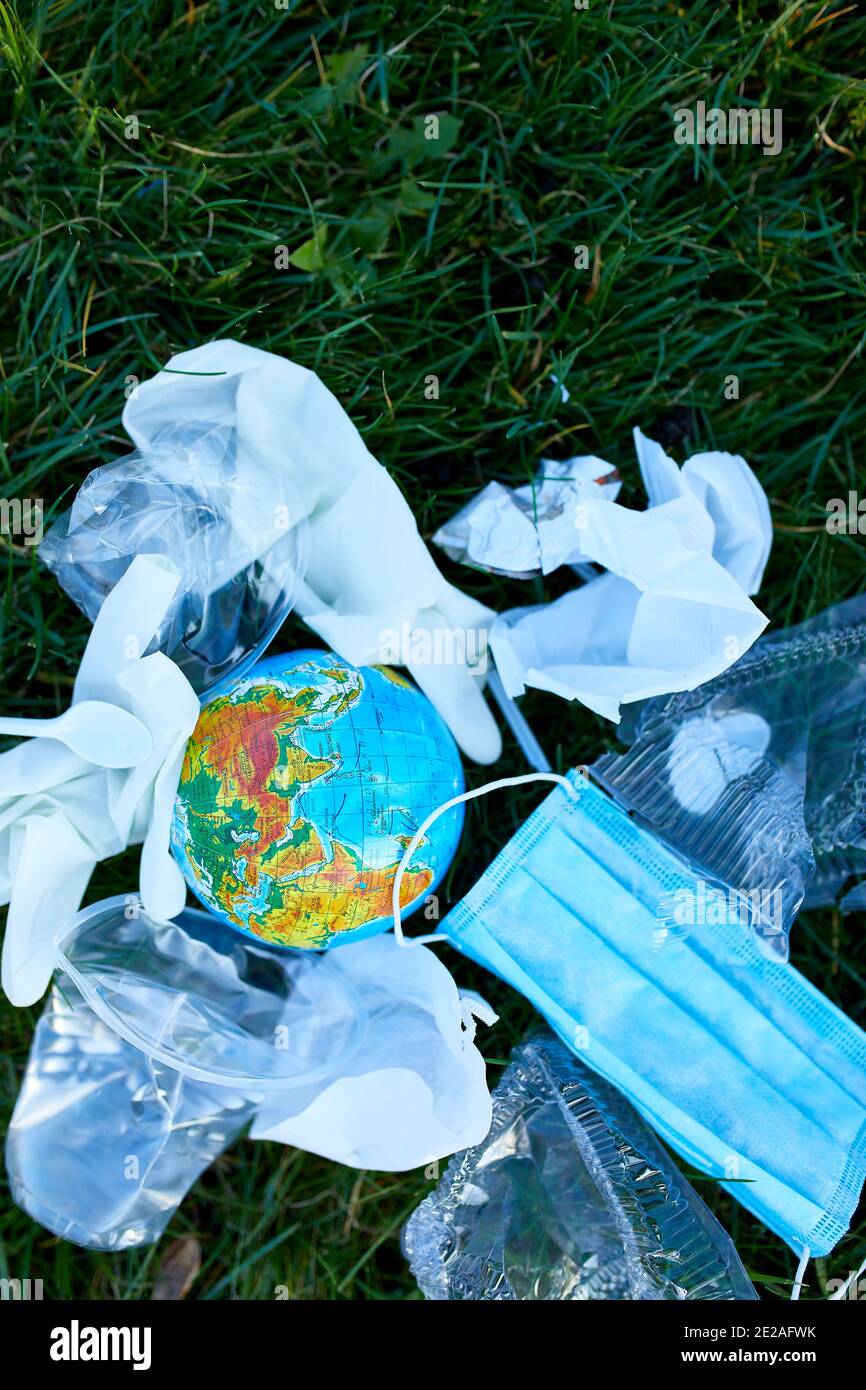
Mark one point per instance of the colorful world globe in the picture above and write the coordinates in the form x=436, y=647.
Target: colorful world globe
x=302, y=784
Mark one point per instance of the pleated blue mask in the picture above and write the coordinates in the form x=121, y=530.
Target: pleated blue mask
x=740, y=1064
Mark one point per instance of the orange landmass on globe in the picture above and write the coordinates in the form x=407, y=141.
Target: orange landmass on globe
x=336, y=898
x=241, y=773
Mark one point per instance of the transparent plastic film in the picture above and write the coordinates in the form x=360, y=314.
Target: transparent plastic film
x=157, y=1043
x=748, y=851
x=212, y=1006
x=570, y=1197
x=233, y=527
x=767, y=762
x=105, y=1142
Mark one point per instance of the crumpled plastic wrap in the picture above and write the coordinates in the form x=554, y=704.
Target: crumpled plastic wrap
x=753, y=851
x=249, y=475
x=161, y=1041
x=234, y=528
x=105, y=1141
x=155, y=1044
x=760, y=774
x=570, y=1197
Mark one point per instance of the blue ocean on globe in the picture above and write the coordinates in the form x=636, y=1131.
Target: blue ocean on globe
x=302, y=784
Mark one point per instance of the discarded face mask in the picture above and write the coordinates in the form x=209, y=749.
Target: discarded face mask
x=60, y=814
x=570, y=1197
x=160, y=1041
x=230, y=525
x=732, y=1055
x=370, y=587
x=792, y=713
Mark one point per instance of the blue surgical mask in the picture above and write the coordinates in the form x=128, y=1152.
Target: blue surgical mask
x=739, y=1063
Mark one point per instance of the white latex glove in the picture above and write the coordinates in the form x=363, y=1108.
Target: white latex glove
x=414, y=1091
x=60, y=815
x=371, y=582
x=728, y=508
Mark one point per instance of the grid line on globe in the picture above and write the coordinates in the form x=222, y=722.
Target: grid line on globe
x=302, y=784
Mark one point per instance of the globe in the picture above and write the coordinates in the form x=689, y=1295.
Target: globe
x=302, y=784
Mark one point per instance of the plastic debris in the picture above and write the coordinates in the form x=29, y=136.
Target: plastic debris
x=105, y=1142
x=570, y=1197
x=160, y=1042
x=155, y=1044
x=232, y=527
x=765, y=766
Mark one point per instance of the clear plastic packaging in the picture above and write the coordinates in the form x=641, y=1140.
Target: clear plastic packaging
x=227, y=1013
x=162, y=1040
x=570, y=1197
x=157, y=1043
x=760, y=774
x=749, y=846
x=233, y=527
x=105, y=1142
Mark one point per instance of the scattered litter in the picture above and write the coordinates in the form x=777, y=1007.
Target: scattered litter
x=569, y=1197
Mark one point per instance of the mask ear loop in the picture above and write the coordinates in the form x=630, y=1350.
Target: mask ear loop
x=831, y=1298
x=434, y=816
x=801, y=1270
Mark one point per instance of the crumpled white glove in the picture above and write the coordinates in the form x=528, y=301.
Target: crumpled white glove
x=727, y=508
x=372, y=590
x=672, y=611
x=60, y=814
x=415, y=1089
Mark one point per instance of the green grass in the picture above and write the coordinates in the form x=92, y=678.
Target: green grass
x=262, y=128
